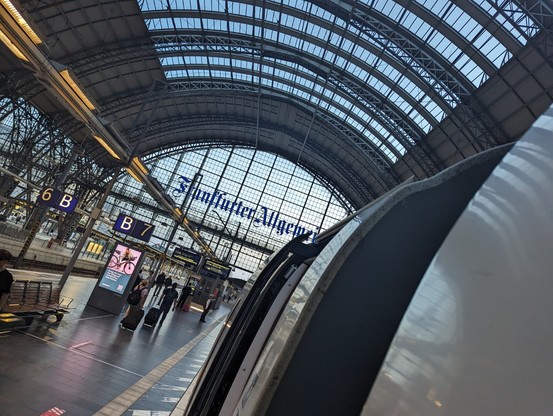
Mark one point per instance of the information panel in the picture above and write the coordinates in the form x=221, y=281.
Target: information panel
x=190, y=258
x=57, y=199
x=120, y=268
x=216, y=270
x=133, y=227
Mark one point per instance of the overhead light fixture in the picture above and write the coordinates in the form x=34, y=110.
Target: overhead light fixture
x=106, y=146
x=178, y=212
x=21, y=21
x=73, y=84
x=133, y=175
x=138, y=163
x=12, y=47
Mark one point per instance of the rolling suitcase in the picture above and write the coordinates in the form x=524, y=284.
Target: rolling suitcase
x=152, y=317
x=132, y=320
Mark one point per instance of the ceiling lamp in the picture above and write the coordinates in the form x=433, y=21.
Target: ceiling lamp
x=139, y=165
x=106, y=146
x=21, y=21
x=133, y=175
x=76, y=89
x=12, y=47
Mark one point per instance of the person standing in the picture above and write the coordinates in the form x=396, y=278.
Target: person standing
x=186, y=291
x=160, y=281
x=209, y=304
x=6, y=278
x=169, y=297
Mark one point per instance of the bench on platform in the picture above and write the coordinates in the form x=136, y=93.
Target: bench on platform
x=31, y=299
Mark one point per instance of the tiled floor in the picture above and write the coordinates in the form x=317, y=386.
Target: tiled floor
x=86, y=364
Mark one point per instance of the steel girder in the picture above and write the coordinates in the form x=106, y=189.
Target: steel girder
x=449, y=83
x=380, y=167
x=527, y=14
x=404, y=130
x=339, y=78
x=360, y=188
x=37, y=148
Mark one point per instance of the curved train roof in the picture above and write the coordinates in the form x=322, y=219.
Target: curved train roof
x=363, y=94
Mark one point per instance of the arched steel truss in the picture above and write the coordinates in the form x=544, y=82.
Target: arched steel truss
x=380, y=75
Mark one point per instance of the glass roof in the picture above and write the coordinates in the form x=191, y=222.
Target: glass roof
x=389, y=72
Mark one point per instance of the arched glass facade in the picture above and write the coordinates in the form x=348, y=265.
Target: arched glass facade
x=361, y=96
x=244, y=203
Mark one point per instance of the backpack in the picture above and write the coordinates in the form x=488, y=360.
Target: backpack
x=134, y=297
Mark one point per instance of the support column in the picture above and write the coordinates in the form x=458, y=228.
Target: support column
x=177, y=223
x=95, y=214
x=42, y=211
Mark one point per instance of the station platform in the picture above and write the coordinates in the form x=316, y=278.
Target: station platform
x=87, y=365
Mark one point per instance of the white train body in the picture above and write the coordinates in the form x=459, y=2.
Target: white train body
x=435, y=300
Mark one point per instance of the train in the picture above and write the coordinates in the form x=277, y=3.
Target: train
x=435, y=299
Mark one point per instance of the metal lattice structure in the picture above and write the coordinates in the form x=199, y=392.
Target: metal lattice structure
x=362, y=94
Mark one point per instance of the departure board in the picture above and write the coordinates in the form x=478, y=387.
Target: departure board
x=215, y=269
x=190, y=257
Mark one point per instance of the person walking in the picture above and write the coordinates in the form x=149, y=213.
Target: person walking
x=209, y=304
x=169, y=297
x=143, y=288
x=167, y=283
x=139, y=278
x=150, y=279
x=6, y=278
x=186, y=291
x=160, y=281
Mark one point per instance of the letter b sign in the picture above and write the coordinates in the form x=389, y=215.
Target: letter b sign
x=56, y=199
x=136, y=228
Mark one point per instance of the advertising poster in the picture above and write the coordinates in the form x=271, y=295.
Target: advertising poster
x=121, y=266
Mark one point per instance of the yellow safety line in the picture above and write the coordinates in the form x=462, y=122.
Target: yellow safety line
x=125, y=400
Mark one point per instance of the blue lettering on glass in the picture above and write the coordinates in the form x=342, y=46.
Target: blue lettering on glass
x=265, y=217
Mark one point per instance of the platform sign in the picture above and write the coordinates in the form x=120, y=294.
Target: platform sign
x=57, y=199
x=133, y=227
x=190, y=258
x=215, y=269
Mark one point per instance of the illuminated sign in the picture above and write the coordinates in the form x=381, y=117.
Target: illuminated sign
x=190, y=257
x=214, y=269
x=121, y=266
x=133, y=227
x=57, y=199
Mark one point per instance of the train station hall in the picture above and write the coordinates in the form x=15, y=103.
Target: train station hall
x=276, y=207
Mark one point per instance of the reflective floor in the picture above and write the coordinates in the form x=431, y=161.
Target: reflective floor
x=87, y=365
